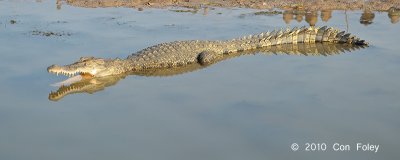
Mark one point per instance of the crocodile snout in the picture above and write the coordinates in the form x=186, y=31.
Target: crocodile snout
x=53, y=67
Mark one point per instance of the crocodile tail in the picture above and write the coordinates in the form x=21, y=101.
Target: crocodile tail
x=306, y=35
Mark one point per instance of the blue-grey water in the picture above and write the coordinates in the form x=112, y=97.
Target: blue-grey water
x=250, y=107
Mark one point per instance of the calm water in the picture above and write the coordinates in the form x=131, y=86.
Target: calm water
x=251, y=107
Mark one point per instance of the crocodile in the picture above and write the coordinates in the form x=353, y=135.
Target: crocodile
x=203, y=52
x=88, y=84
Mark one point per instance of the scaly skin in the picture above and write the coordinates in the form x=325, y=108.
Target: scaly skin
x=180, y=53
x=94, y=84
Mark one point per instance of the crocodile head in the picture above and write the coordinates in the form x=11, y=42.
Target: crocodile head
x=89, y=66
x=85, y=85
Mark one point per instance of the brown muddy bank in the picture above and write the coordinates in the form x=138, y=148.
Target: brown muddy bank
x=298, y=10
x=375, y=5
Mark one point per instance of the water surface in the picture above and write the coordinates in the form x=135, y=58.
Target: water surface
x=250, y=107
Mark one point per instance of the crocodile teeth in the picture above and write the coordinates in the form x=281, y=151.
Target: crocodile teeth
x=66, y=73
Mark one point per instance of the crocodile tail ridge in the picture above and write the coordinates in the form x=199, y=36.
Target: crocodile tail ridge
x=304, y=35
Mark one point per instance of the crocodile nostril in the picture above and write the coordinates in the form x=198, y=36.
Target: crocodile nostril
x=53, y=67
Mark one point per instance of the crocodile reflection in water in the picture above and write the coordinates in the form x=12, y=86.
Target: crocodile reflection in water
x=94, y=84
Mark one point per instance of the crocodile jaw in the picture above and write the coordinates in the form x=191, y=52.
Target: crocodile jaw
x=90, y=66
x=69, y=71
x=63, y=91
x=81, y=86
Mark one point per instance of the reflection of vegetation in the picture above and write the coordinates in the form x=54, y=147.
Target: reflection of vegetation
x=311, y=16
x=59, y=22
x=260, y=13
x=394, y=15
x=287, y=17
x=298, y=10
x=183, y=11
x=50, y=33
x=326, y=15
x=373, y=5
x=267, y=13
x=367, y=17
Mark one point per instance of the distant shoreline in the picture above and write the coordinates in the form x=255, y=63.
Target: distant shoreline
x=373, y=5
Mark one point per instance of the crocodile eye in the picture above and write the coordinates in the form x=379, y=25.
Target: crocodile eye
x=100, y=62
x=83, y=59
